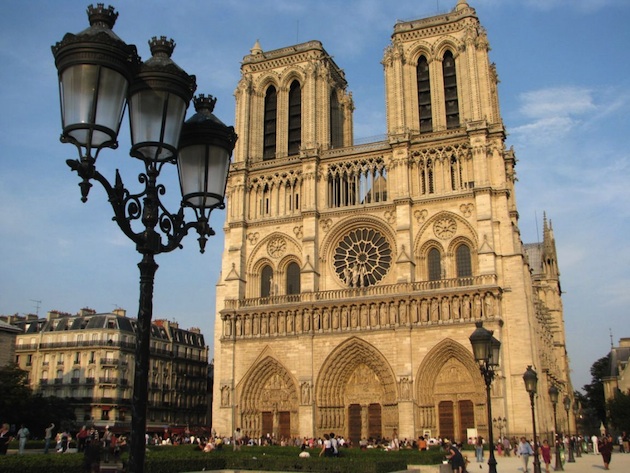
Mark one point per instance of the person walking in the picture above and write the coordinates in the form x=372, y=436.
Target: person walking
x=545, y=451
x=605, y=448
x=525, y=450
x=47, y=436
x=22, y=435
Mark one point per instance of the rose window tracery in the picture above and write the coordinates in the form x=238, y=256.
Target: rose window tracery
x=362, y=257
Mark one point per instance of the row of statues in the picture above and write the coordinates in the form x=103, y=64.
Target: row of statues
x=362, y=316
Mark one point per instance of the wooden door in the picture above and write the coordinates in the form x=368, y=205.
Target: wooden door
x=447, y=420
x=354, y=423
x=374, y=421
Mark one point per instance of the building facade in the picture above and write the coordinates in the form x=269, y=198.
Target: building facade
x=353, y=275
x=88, y=358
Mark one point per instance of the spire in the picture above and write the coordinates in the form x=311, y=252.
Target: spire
x=256, y=49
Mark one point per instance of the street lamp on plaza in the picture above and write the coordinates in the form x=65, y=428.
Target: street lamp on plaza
x=486, y=350
x=578, y=444
x=100, y=76
x=567, y=407
x=531, y=384
x=500, y=423
x=553, y=396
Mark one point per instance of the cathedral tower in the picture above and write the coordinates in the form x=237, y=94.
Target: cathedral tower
x=353, y=275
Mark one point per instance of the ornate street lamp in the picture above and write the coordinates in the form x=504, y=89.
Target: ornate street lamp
x=553, y=396
x=500, y=423
x=99, y=76
x=567, y=407
x=486, y=350
x=531, y=383
x=578, y=444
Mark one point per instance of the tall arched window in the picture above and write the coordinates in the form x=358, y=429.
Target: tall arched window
x=295, y=118
x=269, y=139
x=434, y=265
x=463, y=262
x=266, y=282
x=336, y=122
x=424, y=95
x=293, y=279
x=450, y=90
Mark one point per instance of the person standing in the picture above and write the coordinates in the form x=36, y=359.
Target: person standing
x=22, y=434
x=5, y=438
x=238, y=439
x=479, y=449
x=606, y=448
x=47, y=436
x=595, y=440
x=545, y=451
x=625, y=441
x=525, y=450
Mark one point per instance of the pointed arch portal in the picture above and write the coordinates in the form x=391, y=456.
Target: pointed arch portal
x=356, y=393
x=269, y=402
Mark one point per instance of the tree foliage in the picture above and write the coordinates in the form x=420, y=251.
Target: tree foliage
x=19, y=405
x=619, y=411
x=593, y=412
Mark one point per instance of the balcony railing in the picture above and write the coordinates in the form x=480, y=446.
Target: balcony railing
x=416, y=288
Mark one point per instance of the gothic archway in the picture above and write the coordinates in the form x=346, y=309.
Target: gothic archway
x=268, y=403
x=356, y=393
x=450, y=392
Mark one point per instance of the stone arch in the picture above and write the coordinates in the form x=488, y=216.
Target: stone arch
x=464, y=229
x=295, y=73
x=341, y=364
x=421, y=48
x=441, y=355
x=447, y=43
x=267, y=387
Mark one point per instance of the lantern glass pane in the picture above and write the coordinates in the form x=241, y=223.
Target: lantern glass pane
x=203, y=172
x=92, y=96
x=156, y=122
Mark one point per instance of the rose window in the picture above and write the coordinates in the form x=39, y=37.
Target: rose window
x=362, y=258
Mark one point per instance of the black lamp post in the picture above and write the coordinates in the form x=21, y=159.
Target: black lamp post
x=578, y=444
x=531, y=383
x=100, y=75
x=567, y=407
x=486, y=350
x=553, y=396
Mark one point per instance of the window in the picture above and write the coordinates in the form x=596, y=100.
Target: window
x=462, y=260
x=336, y=122
x=450, y=91
x=295, y=118
x=424, y=95
x=435, y=265
x=293, y=279
x=269, y=139
x=357, y=182
x=266, y=282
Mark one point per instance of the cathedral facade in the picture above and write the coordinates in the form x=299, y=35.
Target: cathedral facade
x=353, y=274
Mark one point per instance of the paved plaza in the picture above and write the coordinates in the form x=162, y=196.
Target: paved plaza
x=589, y=463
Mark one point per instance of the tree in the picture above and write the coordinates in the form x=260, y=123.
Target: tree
x=619, y=411
x=593, y=402
x=18, y=404
x=15, y=394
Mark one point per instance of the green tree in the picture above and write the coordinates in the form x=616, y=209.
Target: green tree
x=619, y=411
x=593, y=401
x=16, y=394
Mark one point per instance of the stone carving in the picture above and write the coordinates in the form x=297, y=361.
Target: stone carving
x=276, y=247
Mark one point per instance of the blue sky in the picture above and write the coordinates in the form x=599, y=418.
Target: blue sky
x=564, y=94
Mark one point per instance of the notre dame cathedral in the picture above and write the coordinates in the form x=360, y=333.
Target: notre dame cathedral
x=353, y=274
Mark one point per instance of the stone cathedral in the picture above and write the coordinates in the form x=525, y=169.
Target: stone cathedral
x=353, y=274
